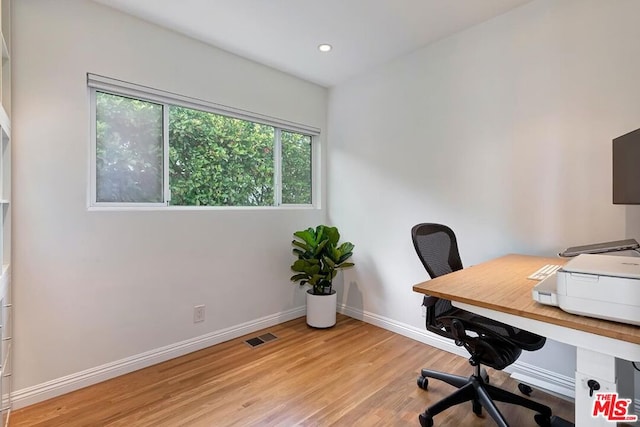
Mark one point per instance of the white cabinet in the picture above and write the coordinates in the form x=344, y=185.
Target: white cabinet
x=6, y=331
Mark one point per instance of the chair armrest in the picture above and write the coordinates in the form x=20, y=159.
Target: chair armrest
x=429, y=303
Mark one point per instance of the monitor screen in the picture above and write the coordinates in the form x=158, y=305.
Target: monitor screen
x=626, y=169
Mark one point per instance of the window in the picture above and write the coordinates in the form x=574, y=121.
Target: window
x=129, y=150
x=296, y=168
x=151, y=148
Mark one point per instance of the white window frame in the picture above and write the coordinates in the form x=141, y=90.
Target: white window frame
x=103, y=84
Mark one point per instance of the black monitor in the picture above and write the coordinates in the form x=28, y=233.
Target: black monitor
x=626, y=169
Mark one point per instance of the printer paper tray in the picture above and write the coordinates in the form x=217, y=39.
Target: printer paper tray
x=545, y=292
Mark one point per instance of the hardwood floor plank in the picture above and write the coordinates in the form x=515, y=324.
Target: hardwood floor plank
x=354, y=374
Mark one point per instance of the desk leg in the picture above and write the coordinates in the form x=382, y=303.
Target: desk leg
x=591, y=365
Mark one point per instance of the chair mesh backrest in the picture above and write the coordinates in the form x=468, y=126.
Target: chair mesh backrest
x=437, y=248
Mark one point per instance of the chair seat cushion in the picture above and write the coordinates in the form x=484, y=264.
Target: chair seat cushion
x=523, y=339
x=489, y=342
x=495, y=352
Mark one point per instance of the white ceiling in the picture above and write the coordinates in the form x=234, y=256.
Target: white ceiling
x=284, y=34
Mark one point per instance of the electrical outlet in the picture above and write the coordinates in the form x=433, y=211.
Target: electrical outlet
x=424, y=312
x=198, y=313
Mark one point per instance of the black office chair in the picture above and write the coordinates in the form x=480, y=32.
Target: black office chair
x=489, y=342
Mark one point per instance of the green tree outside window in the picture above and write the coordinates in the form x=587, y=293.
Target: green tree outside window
x=214, y=160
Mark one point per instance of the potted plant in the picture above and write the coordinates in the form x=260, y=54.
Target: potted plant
x=319, y=257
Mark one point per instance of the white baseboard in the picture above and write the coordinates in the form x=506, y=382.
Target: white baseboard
x=59, y=386
x=552, y=382
x=418, y=334
x=521, y=371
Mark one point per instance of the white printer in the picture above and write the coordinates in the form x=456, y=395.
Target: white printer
x=595, y=285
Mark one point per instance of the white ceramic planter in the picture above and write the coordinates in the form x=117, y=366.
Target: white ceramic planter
x=321, y=309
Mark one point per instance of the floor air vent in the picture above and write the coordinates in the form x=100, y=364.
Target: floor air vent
x=261, y=339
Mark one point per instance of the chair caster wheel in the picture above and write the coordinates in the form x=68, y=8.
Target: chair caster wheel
x=425, y=420
x=423, y=383
x=542, y=420
x=525, y=389
x=477, y=408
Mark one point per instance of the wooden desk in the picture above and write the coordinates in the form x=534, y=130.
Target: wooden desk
x=499, y=289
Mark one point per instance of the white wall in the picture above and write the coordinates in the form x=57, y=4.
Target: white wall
x=91, y=288
x=502, y=131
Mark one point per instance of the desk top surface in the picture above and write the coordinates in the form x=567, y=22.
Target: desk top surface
x=502, y=285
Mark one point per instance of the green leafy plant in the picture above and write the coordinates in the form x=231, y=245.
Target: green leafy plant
x=319, y=257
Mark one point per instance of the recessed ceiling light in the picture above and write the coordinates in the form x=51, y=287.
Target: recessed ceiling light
x=324, y=47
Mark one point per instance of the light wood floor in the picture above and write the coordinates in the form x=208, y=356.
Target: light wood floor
x=353, y=374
